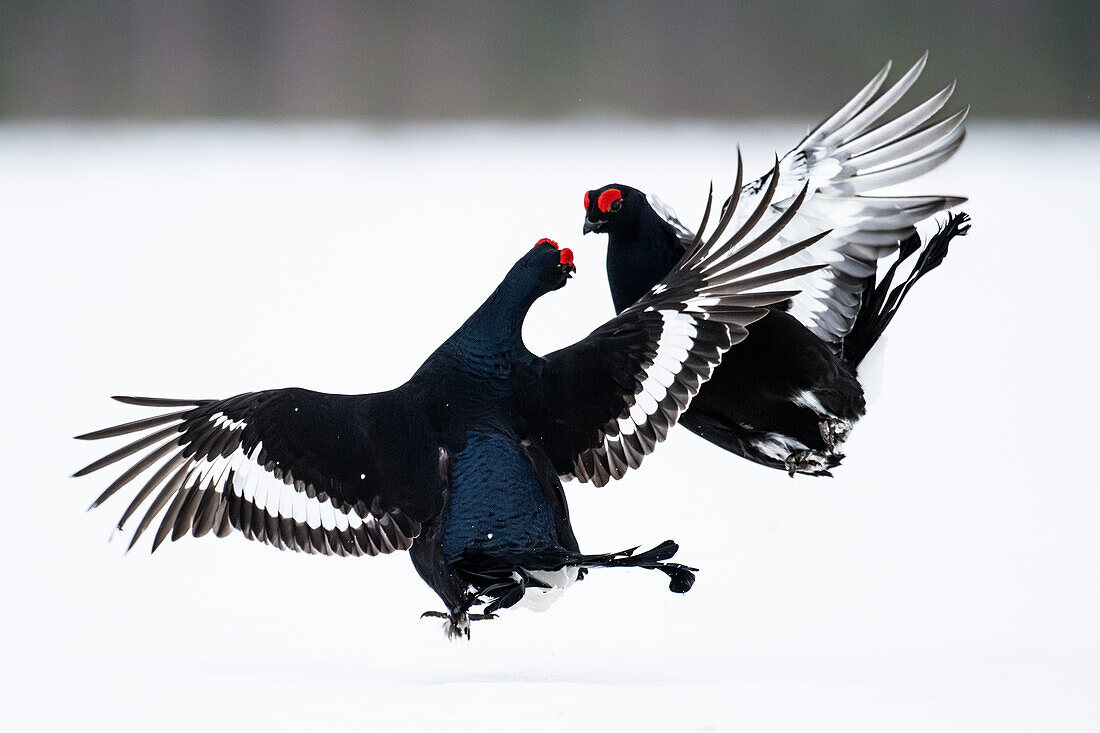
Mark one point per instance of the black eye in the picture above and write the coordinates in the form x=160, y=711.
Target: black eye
x=616, y=204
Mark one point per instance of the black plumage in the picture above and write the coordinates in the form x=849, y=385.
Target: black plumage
x=461, y=464
x=788, y=396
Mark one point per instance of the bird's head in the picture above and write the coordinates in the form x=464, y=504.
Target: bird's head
x=548, y=265
x=612, y=209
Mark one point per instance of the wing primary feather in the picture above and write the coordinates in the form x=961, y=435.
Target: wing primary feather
x=739, y=183
x=169, y=518
x=132, y=427
x=170, y=465
x=897, y=128
x=880, y=106
x=703, y=224
x=765, y=201
x=932, y=138
x=136, y=469
x=896, y=174
x=728, y=208
x=777, y=256
x=720, y=257
x=159, y=401
x=186, y=516
x=127, y=450
x=169, y=490
x=775, y=228
x=849, y=108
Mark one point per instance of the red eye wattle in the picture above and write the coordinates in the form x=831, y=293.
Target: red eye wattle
x=544, y=240
x=587, y=201
x=607, y=198
x=567, y=256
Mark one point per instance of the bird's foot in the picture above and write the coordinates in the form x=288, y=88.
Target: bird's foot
x=435, y=614
x=482, y=616
x=834, y=431
x=810, y=462
x=458, y=623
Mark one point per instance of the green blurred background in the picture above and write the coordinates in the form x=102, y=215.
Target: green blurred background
x=397, y=60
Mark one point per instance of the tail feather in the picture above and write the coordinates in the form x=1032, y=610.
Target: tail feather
x=879, y=303
x=681, y=577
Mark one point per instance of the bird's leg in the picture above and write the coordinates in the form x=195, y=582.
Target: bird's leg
x=795, y=461
x=806, y=461
x=435, y=614
x=458, y=622
x=459, y=626
x=459, y=618
x=834, y=431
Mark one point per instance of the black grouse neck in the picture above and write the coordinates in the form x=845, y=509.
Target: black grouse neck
x=639, y=258
x=496, y=328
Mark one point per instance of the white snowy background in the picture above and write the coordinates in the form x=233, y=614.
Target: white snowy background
x=948, y=578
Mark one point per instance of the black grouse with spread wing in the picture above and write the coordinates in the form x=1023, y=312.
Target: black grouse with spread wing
x=788, y=396
x=461, y=464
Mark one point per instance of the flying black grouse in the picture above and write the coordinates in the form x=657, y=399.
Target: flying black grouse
x=788, y=397
x=460, y=465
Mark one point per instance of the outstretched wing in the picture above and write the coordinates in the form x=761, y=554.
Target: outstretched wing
x=601, y=405
x=299, y=470
x=840, y=160
x=678, y=229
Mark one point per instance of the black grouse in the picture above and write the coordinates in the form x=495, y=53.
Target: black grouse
x=460, y=465
x=788, y=396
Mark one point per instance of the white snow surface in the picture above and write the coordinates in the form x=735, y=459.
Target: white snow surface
x=948, y=578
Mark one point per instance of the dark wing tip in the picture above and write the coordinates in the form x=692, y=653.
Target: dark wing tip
x=811, y=241
x=84, y=471
x=157, y=401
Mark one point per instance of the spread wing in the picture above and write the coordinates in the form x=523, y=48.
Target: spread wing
x=601, y=405
x=663, y=210
x=850, y=153
x=298, y=470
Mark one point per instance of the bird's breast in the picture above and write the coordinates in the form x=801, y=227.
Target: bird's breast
x=496, y=506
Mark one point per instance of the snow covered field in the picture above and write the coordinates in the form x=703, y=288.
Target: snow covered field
x=947, y=579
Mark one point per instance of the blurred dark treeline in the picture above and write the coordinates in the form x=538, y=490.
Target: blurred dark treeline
x=394, y=60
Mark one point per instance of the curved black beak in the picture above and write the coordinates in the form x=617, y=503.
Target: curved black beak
x=568, y=270
x=590, y=226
